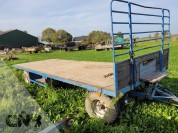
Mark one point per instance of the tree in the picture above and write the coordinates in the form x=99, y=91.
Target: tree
x=61, y=37
x=149, y=36
x=85, y=41
x=47, y=35
x=98, y=37
x=156, y=35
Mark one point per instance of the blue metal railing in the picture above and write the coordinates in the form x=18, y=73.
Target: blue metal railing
x=131, y=24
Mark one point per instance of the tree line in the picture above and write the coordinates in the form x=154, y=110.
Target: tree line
x=158, y=35
x=61, y=36
x=56, y=37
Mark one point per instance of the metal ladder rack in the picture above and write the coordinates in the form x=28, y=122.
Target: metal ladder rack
x=155, y=90
x=131, y=24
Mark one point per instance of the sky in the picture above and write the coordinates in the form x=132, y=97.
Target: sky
x=78, y=17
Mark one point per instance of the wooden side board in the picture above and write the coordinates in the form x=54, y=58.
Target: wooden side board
x=154, y=77
x=166, y=58
x=124, y=67
x=124, y=74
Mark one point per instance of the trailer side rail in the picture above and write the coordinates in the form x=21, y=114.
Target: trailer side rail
x=131, y=24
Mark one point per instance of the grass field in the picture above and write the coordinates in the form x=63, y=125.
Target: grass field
x=141, y=116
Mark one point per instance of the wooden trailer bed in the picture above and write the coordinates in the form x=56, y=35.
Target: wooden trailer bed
x=89, y=73
x=100, y=74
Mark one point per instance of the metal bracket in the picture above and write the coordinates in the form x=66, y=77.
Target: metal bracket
x=164, y=96
x=157, y=92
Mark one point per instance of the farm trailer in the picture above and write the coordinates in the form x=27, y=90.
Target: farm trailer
x=105, y=81
x=108, y=45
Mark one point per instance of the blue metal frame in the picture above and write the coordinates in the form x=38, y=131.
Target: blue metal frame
x=44, y=75
x=131, y=24
x=156, y=92
x=116, y=83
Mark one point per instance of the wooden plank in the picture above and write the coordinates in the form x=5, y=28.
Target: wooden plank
x=165, y=59
x=42, y=80
x=154, y=77
x=124, y=67
x=89, y=73
x=124, y=83
x=147, y=57
x=124, y=74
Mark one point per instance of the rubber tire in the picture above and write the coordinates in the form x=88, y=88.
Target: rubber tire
x=112, y=112
x=26, y=77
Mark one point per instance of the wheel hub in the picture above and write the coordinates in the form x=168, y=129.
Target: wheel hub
x=99, y=108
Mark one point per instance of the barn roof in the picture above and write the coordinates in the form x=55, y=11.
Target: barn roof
x=16, y=39
x=80, y=38
x=4, y=32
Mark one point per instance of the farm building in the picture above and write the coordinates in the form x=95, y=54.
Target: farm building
x=17, y=39
x=79, y=39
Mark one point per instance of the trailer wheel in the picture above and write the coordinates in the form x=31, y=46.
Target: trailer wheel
x=26, y=77
x=101, y=107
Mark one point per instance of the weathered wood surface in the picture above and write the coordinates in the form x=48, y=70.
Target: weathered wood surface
x=147, y=67
x=124, y=74
x=166, y=58
x=89, y=73
x=124, y=67
x=154, y=77
x=94, y=73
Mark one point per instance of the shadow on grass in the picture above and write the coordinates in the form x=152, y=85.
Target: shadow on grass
x=146, y=116
x=170, y=84
x=128, y=123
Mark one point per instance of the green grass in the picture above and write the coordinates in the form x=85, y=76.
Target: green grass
x=140, y=116
x=89, y=55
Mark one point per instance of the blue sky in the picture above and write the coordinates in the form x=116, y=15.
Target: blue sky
x=79, y=17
